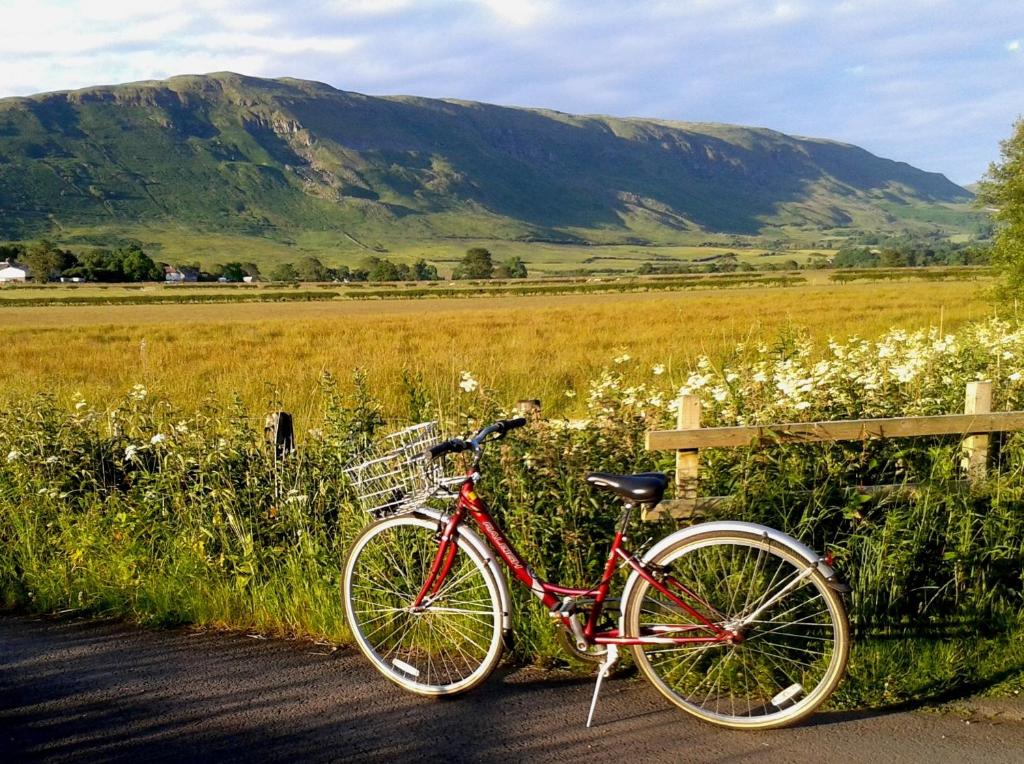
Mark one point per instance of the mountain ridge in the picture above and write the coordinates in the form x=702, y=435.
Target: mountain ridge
x=282, y=158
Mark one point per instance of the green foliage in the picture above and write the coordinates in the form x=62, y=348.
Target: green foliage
x=1003, y=190
x=199, y=154
x=424, y=271
x=169, y=297
x=514, y=268
x=311, y=269
x=475, y=264
x=43, y=260
x=136, y=265
x=138, y=510
x=284, y=272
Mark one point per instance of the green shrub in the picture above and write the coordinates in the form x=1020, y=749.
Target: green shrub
x=132, y=509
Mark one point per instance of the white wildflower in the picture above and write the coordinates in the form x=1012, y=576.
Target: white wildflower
x=658, y=369
x=138, y=393
x=570, y=393
x=158, y=438
x=51, y=460
x=1015, y=376
x=468, y=384
x=719, y=394
x=13, y=456
x=622, y=358
x=131, y=452
x=760, y=377
x=802, y=405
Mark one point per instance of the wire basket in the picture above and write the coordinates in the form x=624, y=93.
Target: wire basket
x=395, y=472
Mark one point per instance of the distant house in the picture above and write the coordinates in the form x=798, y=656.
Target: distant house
x=178, y=275
x=10, y=271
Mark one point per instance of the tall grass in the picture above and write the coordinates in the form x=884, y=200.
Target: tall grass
x=140, y=510
x=520, y=347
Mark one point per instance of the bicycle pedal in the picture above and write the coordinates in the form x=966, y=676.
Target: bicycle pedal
x=605, y=669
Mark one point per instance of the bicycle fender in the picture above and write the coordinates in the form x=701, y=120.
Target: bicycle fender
x=734, y=526
x=484, y=549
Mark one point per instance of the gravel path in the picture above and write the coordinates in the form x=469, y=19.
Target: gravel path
x=73, y=690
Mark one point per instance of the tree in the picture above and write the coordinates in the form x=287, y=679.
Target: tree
x=251, y=269
x=476, y=264
x=136, y=265
x=311, y=269
x=43, y=260
x=11, y=252
x=380, y=269
x=424, y=271
x=1003, y=190
x=284, y=272
x=516, y=268
x=233, y=272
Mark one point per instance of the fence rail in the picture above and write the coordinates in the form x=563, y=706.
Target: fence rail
x=974, y=426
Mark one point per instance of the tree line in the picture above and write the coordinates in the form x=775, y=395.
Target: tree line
x=45, y=261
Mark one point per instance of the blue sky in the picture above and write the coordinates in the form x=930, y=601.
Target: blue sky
x=937, y=83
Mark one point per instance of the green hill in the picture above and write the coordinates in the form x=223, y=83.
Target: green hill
x=273, y=164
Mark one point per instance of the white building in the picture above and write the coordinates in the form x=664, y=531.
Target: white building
x=12, y=272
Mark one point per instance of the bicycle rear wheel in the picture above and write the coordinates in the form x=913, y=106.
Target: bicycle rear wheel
x=447, y=646
x=794, y=636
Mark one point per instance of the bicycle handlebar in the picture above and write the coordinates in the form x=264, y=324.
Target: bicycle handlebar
x=458, y=445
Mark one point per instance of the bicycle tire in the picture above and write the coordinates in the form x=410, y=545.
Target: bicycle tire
x=448, y=647
x=791, y=656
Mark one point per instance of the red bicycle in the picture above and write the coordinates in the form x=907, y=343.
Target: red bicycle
x=735, y=623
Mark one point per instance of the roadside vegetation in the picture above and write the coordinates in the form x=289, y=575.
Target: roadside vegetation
x=138, y=508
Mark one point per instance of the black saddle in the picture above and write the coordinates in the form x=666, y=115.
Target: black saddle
x=644, y=488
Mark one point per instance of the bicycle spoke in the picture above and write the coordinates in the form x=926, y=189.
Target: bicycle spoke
x=772, y=670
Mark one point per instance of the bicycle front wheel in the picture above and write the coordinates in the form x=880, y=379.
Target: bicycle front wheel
x=793, y=632
x=447, y=646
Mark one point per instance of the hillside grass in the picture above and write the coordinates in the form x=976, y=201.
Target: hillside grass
x=272, y=354
x=178, y=245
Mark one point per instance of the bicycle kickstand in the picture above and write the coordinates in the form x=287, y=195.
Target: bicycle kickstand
x=606, y=668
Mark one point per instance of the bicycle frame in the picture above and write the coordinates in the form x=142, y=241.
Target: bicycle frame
x=548, y=593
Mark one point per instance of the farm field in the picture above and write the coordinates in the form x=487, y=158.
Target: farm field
x=272, y=354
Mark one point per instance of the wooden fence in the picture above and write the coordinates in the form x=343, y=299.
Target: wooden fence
x=974, y=425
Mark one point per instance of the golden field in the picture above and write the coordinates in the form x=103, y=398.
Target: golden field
x=272, y=354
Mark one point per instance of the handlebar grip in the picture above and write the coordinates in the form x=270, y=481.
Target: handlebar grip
x=453, y=446
x=511, y=424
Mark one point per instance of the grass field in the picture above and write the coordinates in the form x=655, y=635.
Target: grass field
x=175, y=245
x=148, y=504
x=272, y=354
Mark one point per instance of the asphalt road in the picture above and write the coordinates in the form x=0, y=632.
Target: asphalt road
x=73, y=690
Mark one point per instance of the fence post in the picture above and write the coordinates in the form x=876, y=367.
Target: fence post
x=687, y=465
x=975, y=448
x=279, y=435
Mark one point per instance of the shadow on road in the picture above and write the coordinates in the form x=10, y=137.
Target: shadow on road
x=87, y=691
